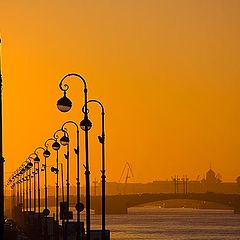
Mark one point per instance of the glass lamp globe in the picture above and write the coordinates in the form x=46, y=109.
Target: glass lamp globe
x=36, y=159
x=46, y=153
x=85, y=124
x=64, y=140
x=54, y=170
x=55, y=146
x=64, y=104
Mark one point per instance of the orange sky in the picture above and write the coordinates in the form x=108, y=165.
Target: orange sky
x=167, y=73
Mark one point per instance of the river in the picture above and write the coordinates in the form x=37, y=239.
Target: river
x=155, y=223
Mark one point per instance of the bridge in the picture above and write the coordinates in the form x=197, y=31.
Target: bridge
x=118, y=204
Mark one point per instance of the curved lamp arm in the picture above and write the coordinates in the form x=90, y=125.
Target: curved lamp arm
x=86, y=110
x=65, y=87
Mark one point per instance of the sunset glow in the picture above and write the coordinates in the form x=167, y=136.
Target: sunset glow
x=167, y=72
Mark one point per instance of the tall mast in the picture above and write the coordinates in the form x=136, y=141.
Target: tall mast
x=1, y=154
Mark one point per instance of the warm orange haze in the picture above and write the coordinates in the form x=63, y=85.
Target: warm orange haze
x=167, y=73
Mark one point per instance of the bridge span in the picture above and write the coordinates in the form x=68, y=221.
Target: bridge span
x=118, y=204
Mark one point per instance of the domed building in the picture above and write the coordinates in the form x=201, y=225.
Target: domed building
x=211, y=177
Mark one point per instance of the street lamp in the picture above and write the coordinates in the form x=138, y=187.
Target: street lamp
x=65, y=141
x=1, y=155
x=34, y=183
x=46, y=212
x=56, y=147
x=102, y=142
x=37, y=160
x=64, y=104
x=27, y=168
x=18, y=187
x=30, y=178
x=22, y=171
x=13, y=197
x=27, y=177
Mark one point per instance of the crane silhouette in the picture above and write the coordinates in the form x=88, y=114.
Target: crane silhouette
x=127, y=172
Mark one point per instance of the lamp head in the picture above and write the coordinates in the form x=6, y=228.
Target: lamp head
x=64, y=140
x=85, y=124
x=64, y=104
x=36, y=159
x=46, y=212
x=46, y=153
x=54, y=170
x=55, y=146
x=28, y=165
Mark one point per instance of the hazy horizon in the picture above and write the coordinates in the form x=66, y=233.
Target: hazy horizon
x=167, y=73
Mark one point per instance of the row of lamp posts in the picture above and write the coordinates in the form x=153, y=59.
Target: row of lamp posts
x=23, y=175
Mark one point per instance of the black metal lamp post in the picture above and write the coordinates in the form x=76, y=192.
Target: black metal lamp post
x=64, y=104
x=65, y=141
x=13, y=196
x=23, y=188
x=14, y=184
x=1, y=155
x=17, y=188
x=102, y=142
x=10, y=180
x=27, y=168
x=26, y=189
x=46, y=212
x=30, y=181
x=34, y=183
x=20, y=188
x=37, y=161
x=56, y=147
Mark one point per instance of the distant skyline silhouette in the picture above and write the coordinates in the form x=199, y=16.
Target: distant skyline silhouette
x=166, y=71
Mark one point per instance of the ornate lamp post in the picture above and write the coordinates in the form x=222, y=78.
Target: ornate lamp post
x=18, y=187
x=65, y=141
x=102, y=142
x=27, y=177
x=56, y=147
x=46, y=212
x=23, y=187
x=13, y=197
x=37, y=160
x=64, y=104
x=1, y=155
x=26, y=189
x=30, y=181
x=27, y=167
x=34, y=183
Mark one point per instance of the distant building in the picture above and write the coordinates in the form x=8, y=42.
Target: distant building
x=211, y=177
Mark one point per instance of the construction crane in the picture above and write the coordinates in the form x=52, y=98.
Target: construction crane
x=127, y=172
